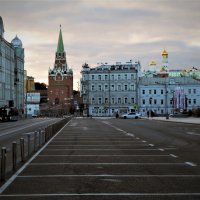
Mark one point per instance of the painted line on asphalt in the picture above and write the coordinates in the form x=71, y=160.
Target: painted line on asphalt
x=14, y=176
x=102, y=194
x=191, y=164
x=110, y=175
x=61, y=155
x=93, y=145
x=161, y=149
x=174, y=156
x=192, y=133
x=39, y=164
x=151, y=145
x=63, y=149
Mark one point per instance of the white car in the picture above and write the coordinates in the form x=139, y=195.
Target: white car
x=132, y=115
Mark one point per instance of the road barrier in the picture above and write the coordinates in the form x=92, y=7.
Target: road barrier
x=26, y=147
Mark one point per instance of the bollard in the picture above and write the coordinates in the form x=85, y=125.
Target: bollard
x=43, y=136
x=39, y=137
x=29, y=144
x=14, y=155
x=35, y=140
x=22, y=149
x=3, y=164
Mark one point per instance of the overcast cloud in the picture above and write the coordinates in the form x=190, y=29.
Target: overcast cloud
x=104, y=31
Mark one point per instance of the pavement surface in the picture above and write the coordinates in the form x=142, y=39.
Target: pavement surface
x=93, y=159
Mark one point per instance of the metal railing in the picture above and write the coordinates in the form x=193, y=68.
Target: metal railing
x=24, y=148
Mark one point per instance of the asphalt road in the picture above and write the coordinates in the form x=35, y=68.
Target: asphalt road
x=93, y=159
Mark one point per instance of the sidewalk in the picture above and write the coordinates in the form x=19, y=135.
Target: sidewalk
x=190, y=120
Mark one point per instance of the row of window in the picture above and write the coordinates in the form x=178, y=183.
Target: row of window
x=113, y=100
x=190, y=91
x=119, y=87
x=155, y=101
x=111, y=76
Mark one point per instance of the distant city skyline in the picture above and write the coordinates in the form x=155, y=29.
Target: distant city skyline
x=99, y=31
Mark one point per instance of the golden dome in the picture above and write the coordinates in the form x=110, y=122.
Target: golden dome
x=164, y=52
x=152, y=63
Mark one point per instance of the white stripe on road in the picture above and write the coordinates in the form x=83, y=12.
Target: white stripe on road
x=103, y=194
x=103, y=155
x=63, y=149
x=191, y=164
x=174, y=156
x=39, y=164
x=110, y=175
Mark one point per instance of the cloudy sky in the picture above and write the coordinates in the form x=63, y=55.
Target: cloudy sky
x=104, y=31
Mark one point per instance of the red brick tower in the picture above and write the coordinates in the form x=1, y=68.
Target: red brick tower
x=60, y=89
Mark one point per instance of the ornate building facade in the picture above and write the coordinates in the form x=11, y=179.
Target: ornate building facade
x=60, y=89
x=11, y=71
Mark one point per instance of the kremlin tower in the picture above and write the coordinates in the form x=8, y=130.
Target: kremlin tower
x=60, y=89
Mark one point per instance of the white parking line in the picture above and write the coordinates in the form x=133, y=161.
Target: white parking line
x=174, y=156
x=110, y=175
x=64, y=163
x=191, y=164
x=54, y=155
x=102, y=194
x=64, y=149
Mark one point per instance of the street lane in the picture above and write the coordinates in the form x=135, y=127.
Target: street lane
x=110, y=159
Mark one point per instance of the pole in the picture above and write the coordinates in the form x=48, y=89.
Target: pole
x=3, y=164
x=22, y=149
x=14, y=155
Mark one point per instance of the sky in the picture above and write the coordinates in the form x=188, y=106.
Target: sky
x=103, y=31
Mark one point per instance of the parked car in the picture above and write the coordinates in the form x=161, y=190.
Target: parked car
x=132, y=115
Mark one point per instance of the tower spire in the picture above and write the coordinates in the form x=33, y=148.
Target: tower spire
x=60, y=47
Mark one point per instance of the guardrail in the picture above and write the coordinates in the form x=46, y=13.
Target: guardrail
x=23, y=149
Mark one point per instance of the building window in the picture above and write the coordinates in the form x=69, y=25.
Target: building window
x=194, y=101
x=189, y=91
x=149, y=91
x=112, y=87
x=119, y=76
x=155, y=101
x=112, y=76
x=113, y=100
x=150, y=100
x=106, y=100
x=143, y=101
x=189, y=101
x=106, y=77
x=131, y=87
x=161, y=92
x=92, y=87
x=119, y=87
x=143, y=91
x=119, y=101
x=154, y=91
x=132, y=76
x=125, y=76
x=99, y=101
x=99, y=77
x=93, y=100
x=125, y=100
x=161, y=101
x=92, y=77
x=106, y=87
x=99, y=87
x=194, y=91
x=125, y=87
x=132, y=100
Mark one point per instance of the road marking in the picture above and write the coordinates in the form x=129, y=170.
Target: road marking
x=161, y=149
x=61, y=149
x=101, y=194
x=144, y=141
x=111, y=175
x=39, y=164
x=14, y=176
x=152, y=145
x=103, y=155
x=174, y=156
x=192, y=133
x=191, y=164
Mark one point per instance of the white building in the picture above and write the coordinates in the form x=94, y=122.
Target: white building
x=168, y=95
x=11, y=71
x=33, y=104
x=110, y=89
